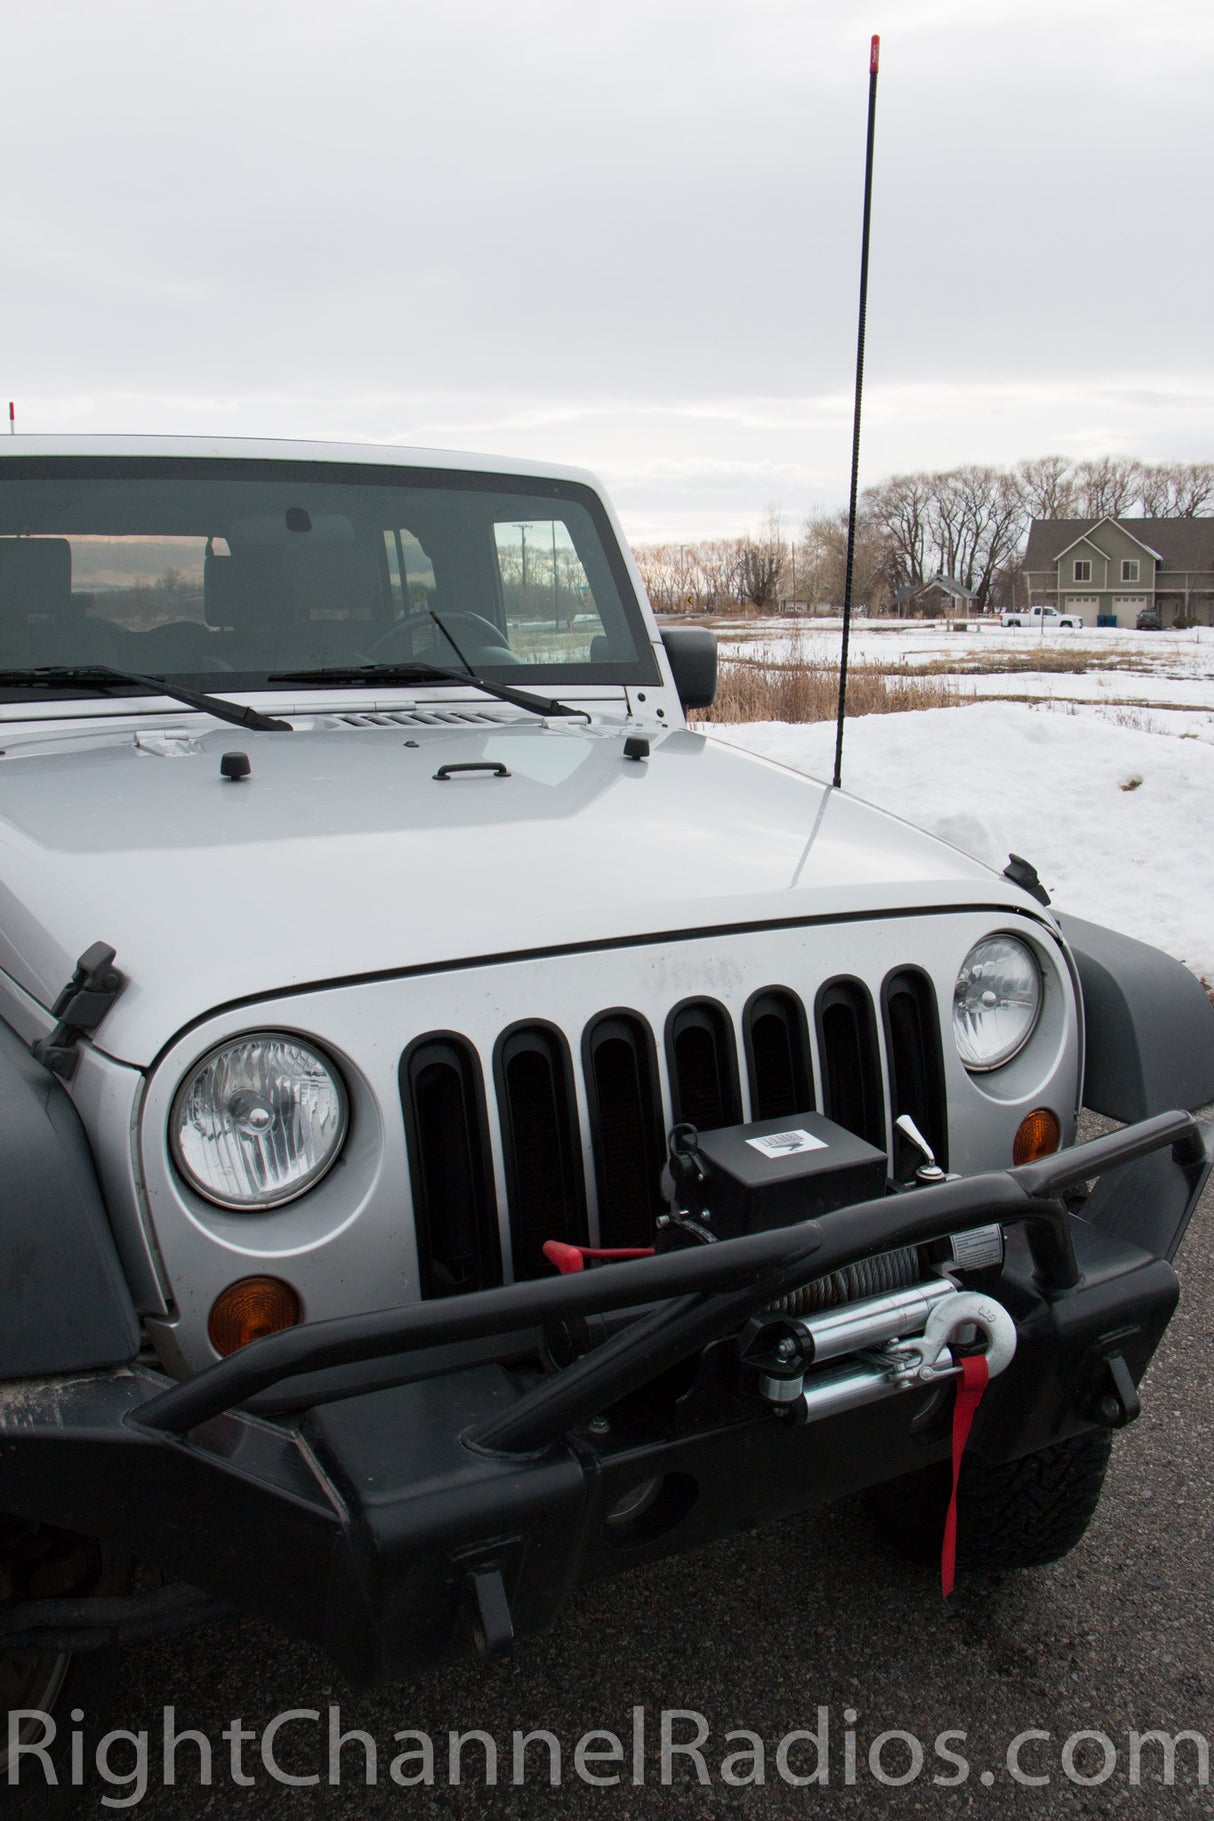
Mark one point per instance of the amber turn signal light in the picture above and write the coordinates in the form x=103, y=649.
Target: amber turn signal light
x=1038, y=1135
x=249, y=1310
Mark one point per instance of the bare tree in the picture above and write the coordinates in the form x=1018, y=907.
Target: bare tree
x=964, y=523
x=951, y=518
x=901, y=509
x=1107, y=487
x=995, y=525
x=977, y=521
x=761, y=563
x=1005, y=583
x=824, y=555
x=1176, y=489
x=1193, y=489
x=660, y=579
x=820, y=558
x=718, y=563
x=1047, y=487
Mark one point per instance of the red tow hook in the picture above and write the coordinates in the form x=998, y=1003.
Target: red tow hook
x=573, y=1258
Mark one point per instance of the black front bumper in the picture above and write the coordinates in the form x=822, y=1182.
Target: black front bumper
x=459, y=1504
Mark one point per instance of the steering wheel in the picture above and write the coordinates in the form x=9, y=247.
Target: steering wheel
x=474, y=639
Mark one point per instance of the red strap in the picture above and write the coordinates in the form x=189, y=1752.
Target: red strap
x=573, y=1258
x=970, y=1386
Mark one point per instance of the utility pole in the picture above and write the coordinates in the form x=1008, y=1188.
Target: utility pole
x=522, y=530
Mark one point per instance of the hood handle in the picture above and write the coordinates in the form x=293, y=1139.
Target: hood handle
x=493, y=766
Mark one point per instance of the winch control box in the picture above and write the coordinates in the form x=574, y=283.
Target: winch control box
x=772, y=1172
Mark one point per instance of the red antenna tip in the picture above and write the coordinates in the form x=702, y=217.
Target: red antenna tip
x=874, y=55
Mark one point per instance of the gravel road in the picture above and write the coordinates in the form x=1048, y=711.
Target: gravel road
x=810, y=1625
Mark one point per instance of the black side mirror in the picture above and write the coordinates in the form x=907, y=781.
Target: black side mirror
x=692, y=651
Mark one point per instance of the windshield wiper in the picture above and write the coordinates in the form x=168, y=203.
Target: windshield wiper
x=415, y=671
x=103, y=676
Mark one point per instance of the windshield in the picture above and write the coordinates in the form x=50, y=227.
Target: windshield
x=224, y=573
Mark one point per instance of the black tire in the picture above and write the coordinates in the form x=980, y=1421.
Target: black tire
x=1022, y=1515
x=45, y=1682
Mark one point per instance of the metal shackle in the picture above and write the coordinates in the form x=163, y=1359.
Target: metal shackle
x=969, y=1308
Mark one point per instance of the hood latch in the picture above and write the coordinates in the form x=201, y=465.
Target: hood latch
x=80, y=1007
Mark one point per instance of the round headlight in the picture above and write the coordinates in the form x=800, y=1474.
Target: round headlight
x=996, y=1002
x=258, y=1121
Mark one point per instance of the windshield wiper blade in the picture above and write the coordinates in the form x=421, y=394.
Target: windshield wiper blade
x=103, y=676
x=416, y=671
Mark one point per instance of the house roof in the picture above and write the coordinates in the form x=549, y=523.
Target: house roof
x=1180, y=543
x=1089, y=538
x=947, y=582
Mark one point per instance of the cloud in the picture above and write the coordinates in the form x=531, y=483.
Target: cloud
x=602, y=236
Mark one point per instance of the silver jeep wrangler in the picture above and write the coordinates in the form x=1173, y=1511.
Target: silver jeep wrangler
x=464, y=1130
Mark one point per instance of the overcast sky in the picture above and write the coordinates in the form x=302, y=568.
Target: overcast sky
x=622, y=234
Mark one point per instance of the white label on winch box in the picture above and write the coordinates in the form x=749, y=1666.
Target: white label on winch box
x=787, y=1144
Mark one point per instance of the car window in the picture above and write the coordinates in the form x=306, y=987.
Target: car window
x=550, y=609
x=227, y=572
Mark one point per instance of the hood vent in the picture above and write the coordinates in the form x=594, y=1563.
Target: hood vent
x=426, y=717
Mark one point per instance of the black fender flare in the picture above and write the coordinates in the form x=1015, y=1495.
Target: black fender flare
x=1149, y=1026
x=64, y=1302
x=1149, y=1049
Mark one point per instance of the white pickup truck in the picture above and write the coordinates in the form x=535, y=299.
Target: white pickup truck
x=1042, y=616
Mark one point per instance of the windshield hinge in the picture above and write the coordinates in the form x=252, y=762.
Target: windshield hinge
x=80, y=1007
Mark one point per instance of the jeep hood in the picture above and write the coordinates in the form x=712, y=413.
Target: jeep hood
x=345, y=853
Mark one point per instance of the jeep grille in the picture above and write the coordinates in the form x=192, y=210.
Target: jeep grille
x=539, y=1082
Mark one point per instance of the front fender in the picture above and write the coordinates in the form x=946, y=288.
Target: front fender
x=1149, y=1022
x=64, y=1302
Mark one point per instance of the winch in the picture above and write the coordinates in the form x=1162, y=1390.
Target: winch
x=907, y=1340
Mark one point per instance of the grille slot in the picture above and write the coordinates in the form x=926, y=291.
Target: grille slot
x=702, y=1058
x=540, y=1143
x=443, y=1100
x=851, y=1060
x=777, y=1054
x=620, y=1067
x=916, y=1066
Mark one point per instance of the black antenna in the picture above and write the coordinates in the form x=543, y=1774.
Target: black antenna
x=873, y=60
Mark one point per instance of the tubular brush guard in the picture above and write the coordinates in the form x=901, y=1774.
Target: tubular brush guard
x=441, y=1505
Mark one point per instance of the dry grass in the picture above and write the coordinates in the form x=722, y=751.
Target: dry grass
x=802, y=690
x=1123, y=715
x=1044, y=660
x=803, y=685
x=998, y=661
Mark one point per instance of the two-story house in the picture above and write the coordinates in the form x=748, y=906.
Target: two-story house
x=1118, y=566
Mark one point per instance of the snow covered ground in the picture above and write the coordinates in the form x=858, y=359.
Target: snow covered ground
x=1112, y=803
x=1169, y=670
